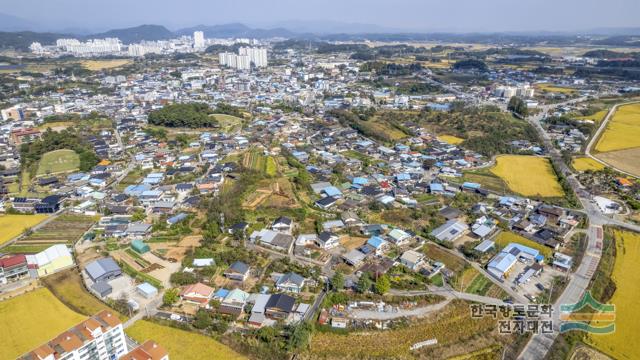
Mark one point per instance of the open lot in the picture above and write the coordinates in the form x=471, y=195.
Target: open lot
x=30, y=320
x=14, y=225
x=528, y=175
x=182, y=345
x=586, y=163
x=97, y=65
x=622, y=131
x=58, y=161
x=622, y=343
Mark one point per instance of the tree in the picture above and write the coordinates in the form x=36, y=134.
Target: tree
x=364, y=284
x=203, y=319
x=170, y=297
x=337, y=281
x=383, y=284
x=138, y=215
x=518, y=106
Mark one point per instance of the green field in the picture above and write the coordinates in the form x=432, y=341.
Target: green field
x=58, y=161
x=181, y=345
x=228, y=123
x=28, y=321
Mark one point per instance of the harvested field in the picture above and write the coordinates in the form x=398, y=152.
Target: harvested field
x=352, y=242
x=271, y=194
x=528, y=175
x=545, y=87
x=626, y=160
x=97, y=65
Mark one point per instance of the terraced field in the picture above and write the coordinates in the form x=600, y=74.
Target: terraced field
x=65, y=229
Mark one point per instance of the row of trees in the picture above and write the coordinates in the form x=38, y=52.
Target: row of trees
x=192, y=115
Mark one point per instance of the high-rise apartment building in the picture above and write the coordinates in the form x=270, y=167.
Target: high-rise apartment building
x=246, y=56
x=198, y=39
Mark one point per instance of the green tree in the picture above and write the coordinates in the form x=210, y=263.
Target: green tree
x=170, y=297
x=203, y=319
x=337, y=281
x=383, y=284
x=364, y=284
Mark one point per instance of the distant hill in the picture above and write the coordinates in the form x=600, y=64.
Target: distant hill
x=14, y=23
x=22, y=39
x=236, y=30
x=137, y=34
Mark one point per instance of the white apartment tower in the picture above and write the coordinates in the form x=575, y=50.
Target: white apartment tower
x=198, y=39
x=257, y=56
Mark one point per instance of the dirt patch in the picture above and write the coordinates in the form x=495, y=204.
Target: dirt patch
x=583, y=352
x=87, y=256
x=179, y=250
x=626, y=160
x=352, y=242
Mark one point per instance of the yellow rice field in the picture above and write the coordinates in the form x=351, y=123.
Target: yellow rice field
x=14, y=225
x=504, y=238
x=622, y=343
x=28, y=321
x=450, y=139
x=623, y=130
x=181, y=344
x=544, y=87
x=586, y=163
x=528, y=175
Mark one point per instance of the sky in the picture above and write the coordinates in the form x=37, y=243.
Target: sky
x=401, y=15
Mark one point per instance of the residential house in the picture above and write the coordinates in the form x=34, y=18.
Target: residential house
x=327, y=240
x=198, y=293
x=238, y=271
x=279, y=306
x=412, y=259
x=290, y=282
x=450, y=231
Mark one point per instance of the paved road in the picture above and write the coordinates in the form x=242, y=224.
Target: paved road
x=595, y=137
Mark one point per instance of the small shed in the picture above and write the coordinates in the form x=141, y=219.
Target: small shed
x=147, y=290
x=139, y=246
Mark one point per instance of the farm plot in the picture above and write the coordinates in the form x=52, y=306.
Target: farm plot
x=181, y=344
x=58, y=161
x=528, y=175
x=14, y=225
x=450, y=139
x=67, y=287
x=626, y=160
x=30, y=320
x=65, y=229
x=621, y=344
x=622, y=131
x=272, y=194
x=506, y=237
x=586, y=163
x=452, y=327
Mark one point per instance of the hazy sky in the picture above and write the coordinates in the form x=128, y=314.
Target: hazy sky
x=417, y=15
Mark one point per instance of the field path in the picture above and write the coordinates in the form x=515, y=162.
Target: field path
x=596, y=137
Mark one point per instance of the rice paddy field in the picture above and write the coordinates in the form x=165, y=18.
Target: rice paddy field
x=545, y=87
x=622, y=343
x=586, y=163
x=450, y=139
x=58, y=161
x=29, y=320
x=65, y=229
x=506, y=237
x=14, y=225
x=528, y=175
x=181, y=344
x=623, y=130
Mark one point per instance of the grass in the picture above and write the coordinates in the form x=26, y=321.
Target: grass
x=450, y=139
x=621, y=344
x=271, y=168
x=451, y=261
x=450, y=326
x=97, y=65
x=487, y=179
x=597, y=117
x=528, y=175
x=58, y=161
x=14, y=225
x=586, y=163
x=228, y=123
x=181, y=344
x=67, y=287
x=506, y=237
x=623, y=130
x=27, y=321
